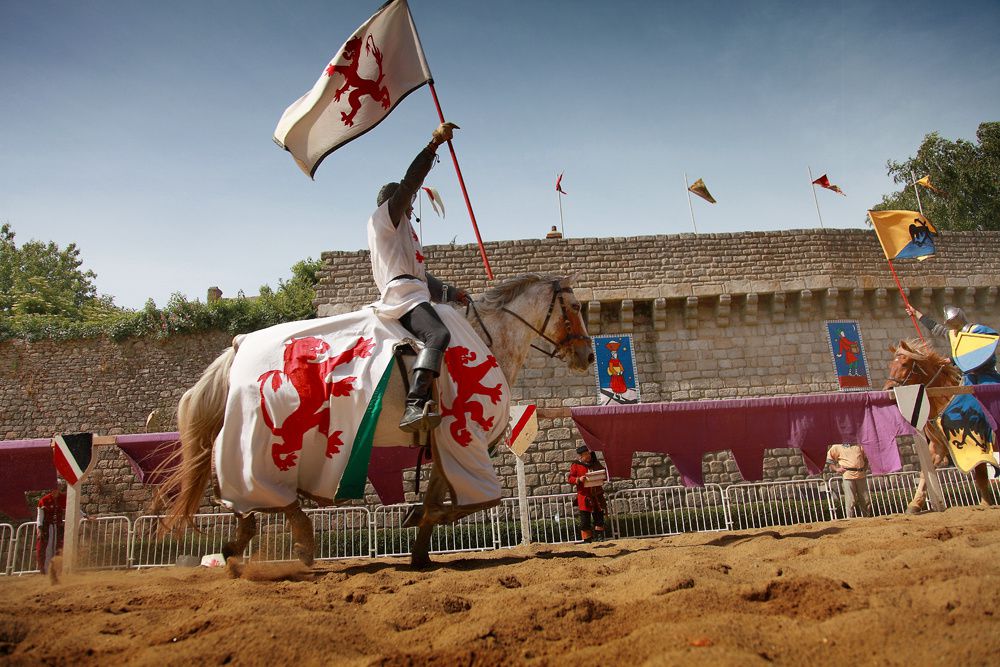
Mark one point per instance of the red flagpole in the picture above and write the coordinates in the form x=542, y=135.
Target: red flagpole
x=461, y=183
x=906, y=302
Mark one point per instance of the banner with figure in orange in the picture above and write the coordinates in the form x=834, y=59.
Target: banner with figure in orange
x=614, y=369
x=848, y=355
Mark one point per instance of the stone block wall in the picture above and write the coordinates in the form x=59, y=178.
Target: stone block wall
x=712, y=316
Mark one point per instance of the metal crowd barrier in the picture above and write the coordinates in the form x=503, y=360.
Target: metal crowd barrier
x=6, y=548
x=763, y=504
x=887, y=494
x=151, y=549
x=476, y=532
x=669, y=510
x=22, y=551
x=357, y=532
x=105, y=543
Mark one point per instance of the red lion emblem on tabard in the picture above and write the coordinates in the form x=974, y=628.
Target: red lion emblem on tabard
x=468, y=379
x=361, y=86
x=308, y=369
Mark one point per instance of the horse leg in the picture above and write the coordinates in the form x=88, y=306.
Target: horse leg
x=420, y=556
x=433, y=499
x=919, y=497
x=246, y=530
x=304, y=542
x=981, y=478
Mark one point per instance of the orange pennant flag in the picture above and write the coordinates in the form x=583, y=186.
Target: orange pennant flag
x=699, y=188
x=926, y=182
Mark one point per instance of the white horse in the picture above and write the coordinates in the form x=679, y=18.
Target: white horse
x=508, y=318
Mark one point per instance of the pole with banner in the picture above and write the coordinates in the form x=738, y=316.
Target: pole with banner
x=916, y=191
x=377, y=67
x=523, y=431
x=687, y=187
x=812, y=184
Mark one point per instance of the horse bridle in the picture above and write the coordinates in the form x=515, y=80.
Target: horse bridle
x=916, y=367
x=560, y=347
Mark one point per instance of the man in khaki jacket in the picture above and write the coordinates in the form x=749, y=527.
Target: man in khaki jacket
x=850, y=460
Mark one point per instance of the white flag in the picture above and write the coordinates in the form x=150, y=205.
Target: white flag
x=374, y=70
x=436, y=202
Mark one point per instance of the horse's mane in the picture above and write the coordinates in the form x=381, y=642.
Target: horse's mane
x=920, y=350
x=503, y=293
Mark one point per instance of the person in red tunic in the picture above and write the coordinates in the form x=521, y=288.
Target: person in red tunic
x=849, y=350
x=616, y=371
x=589, y=499
x=49, y=528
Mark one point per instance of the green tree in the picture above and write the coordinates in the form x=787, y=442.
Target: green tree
x=968, y=175
x=43, y=279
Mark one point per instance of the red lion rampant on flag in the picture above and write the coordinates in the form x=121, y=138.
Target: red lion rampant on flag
x=361, y=86
x=468, y=380
x=308, y=371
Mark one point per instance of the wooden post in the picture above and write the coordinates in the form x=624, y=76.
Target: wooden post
x=522, y=501
x=71, y=527
x=933, y=485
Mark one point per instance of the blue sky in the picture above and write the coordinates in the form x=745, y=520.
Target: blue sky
x=142, y=131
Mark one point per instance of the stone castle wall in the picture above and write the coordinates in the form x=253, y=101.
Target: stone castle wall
x=712, y=316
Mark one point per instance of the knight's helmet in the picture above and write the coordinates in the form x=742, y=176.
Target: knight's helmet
x=954, y=317
x=387, y=191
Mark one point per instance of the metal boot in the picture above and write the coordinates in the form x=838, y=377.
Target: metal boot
x=421, y=412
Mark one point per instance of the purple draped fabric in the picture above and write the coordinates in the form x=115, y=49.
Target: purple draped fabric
x=147, y=451
x=25, y=465
x=811, y=423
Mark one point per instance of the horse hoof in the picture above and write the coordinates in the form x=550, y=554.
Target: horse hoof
x=303, y=554
x=420, y=562
x=913, y=509
x=229, y=551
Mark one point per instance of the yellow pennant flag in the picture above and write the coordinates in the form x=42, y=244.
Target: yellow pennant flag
x=904, y=234
x=699, y=188
x=926, y=182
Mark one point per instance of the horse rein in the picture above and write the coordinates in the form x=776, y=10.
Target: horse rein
x=558, y=347
x=916, y=367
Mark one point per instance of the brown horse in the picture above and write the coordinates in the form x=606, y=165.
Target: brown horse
x=916, y=361
x=508, y=318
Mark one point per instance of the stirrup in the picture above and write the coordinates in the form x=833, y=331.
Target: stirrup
x=420, y=419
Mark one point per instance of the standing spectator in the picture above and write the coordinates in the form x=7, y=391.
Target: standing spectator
x=849, y=459
x=589, y=499
x=49, y=528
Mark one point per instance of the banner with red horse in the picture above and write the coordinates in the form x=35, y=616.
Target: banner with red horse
x=308, y=401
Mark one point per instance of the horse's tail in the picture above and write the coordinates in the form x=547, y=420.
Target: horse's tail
x=199, y=420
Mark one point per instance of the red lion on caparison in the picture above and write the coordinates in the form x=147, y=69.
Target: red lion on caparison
x=469, y=381
x=309, y=371
x=361, y=86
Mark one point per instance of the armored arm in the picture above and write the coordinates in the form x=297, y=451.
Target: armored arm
x=402, y=198
x=936, y=329
x=415, y=175
x=442, y=292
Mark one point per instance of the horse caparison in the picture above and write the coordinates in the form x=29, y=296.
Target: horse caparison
x=508, y=317
x=915, y=361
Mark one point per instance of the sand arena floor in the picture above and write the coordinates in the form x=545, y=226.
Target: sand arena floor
x=895, y=590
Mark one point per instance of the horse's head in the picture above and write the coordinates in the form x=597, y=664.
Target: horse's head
x=917, y=362
x=521, y=308
x=569, y=331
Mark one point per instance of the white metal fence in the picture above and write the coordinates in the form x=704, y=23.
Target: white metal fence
x=6, y=547
x=766, y=504
x=668, y=510
x=357, y=532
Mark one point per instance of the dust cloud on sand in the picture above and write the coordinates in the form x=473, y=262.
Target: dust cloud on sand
x=894, y=590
